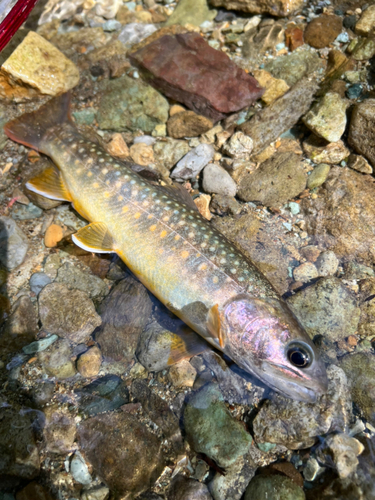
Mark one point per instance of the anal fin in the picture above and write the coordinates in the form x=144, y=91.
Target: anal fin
x=49, y=184
x=94, y=238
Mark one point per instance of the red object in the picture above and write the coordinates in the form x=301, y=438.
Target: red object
x=17, y=15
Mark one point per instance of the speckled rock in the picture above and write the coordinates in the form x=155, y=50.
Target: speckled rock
x=275, y=87
x=182, y=374
x=106, y=393
x=275, y=182
x=125, y=313
x=341, y=219
x=273, y=487
x=295, y=66
x=279, y=8
x=36, y=62
x=38, y=281
x=365, y=26
x=89, y=362
x=57, y=360
x=211, y=429
x=193, y=12
x=222, y=204
x=322, y=31
x=133, y=33
x=183, y=488
x=169, y=151
x=138, y=460
x=359, y=368
x=96, y=493
x=191, y=164
x=320, y=151
x=142, y=153
x=327, y=263
x=327, y=117
x=345, y=450
x=357, y=162
x=13, y=244
x=362, y=49
x=20, y=327
x=362, y=129
x=26, y=212
x=318, y=176
x=68, y=313
x=71, y=276
x=263, y=129
x=238, y=146
x=59, y=429
x=188, y=124
x=305, y=272
x=217, y=180
x=326, y=308
x=297, y=425
x=127, y=104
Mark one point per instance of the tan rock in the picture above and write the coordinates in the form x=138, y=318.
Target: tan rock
x=275, y=87
x=320, y=151
x=142, y=154
x=357, y=162
x=89, y=362
x=182, y=374
x=366, y=24
x=203, y=204
x=305, y=272
x=187, y=124
x=59, y=429
x=37, y=63
x=280, y=8
x=176, y=108
x=117, y=147
x=53, y=236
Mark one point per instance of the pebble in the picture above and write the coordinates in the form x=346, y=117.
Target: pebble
x=38, y=63
x=239, y=146
x=294, y=67
x=169, y=151
x=361, y=130
x=182, y=374
x=74, y=278
x=194, y=12
x=275, y=182
x=107, y=393
x=134, y=33
x=56, y=360
x=142, y=154
x=111, y=25
x=281, y=9
x=88, y=364
x=327, y=263
x=97, y=493
x=40, y=345
x=318, y=176
x=275, y=87
x=38, y=281
x=274, y=487
x=20, y=326
x=187, y=124
x=26, y=212
x=193, y=162
x=53, y=235
x=322, y=31
x=13, y=244
x=210, y=428
x=320, y=151
x=183, y=488
x=354, y=91
x=203, y=205
x=362, y=49
x=222, y=204
x=345, y=450
x=85, y=116
x=67, y=313
x=117, y=147
x=217, y=180
x=305, y=272
x=365, y=26
x=176, y=108
x=326, y=308
x=79, y=469
x=312, y=469
x=327, y=117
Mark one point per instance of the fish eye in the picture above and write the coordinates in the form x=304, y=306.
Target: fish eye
x=299, y=355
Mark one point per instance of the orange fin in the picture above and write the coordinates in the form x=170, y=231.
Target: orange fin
x=214, y=325
x=30, y=128
x=186, y=344
x=49, y=184
x=94, y=238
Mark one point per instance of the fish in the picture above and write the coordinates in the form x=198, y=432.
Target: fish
x=177, y=254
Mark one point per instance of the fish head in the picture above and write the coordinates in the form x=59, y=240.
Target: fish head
x=265, y=338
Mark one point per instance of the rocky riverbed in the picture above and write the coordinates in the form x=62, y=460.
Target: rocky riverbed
x=265, y=112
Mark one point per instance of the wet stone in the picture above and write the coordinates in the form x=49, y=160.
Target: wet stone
x=193, y=12
x=305, y=272
x=96, y=493
x=182, y=374
x=193, y=162
x=26, y=212
x=33, y=491
x=345, y=450
x=128, y=104
x=318, y=176
x=280, y=9
x=88, y=364
x=42, y=392
x=142, y=154
x=185, y=68
x=125, y=313
x=57, y=360
x=222, y=204
x=20, y=327
x=40, y=345
x=326, y=308
x=362, y=49
x=71, y=276
x=297, y=425
x=261, y=38
x=38, y=281
x=273, y=487
x=68, y=313
x=188, y=124
x=327, y=117
x=183, y=488
x=210, y=428
x=295, y=66
x=217, y=180
x=79, y=469
x=104, y=394
x=239, y=146
x=128, y=466
x=13, y=243
x=361, y=131
x=365, y=26
x=133, y=33
x=327, y=263
x=320, y=151
x=169, y=151
x=275, y=182
x=357, y=162
x=322, y=31
x=59, y=430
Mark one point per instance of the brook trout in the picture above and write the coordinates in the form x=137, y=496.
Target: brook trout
x=185, y=262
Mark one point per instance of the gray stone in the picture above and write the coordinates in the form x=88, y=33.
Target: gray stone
x=318, y=176
x=56, y=360
x=193, y=12
x=20, y=327
x=107, y=393
x=97, y=493
x=68, y=313
x=38, y=281
x=39, y=345
x=362, y=129
x=217, y=180
x=210, y=428
x=13, y=244
x=128, y=104
x=42, y=392
x=305, y=272
x=327, y=117
x=263, y=128
x=345, y=450
x=297, y=425
x=193, y=162
x=273, y=487
x=326, y=308
x=134, y=33
x=123, y=452
x=183, y=488
x=275, y=182
x=169, y=151
x=327, y=263
x=25, y=212
x=73, y=277
x=79, y=469
x=59, y=429
x=239, y=146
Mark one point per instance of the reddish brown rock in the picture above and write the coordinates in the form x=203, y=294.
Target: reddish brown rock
x=323, y=30
x=185, y=68
x=293, y=37
x=342, y=217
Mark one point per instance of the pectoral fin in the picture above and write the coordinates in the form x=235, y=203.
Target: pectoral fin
x=214, y=325
x=94, y=238
x=186, y=344
x=49, y=184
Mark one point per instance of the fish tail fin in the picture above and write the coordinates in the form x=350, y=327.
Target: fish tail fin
x=30, y=128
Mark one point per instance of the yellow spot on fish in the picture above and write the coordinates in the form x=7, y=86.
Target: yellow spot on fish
x=137, y=215
x=118, y=184
x=89, y=173
x=177, y=237
x=150, y=216
x=79, y=170
x=163, y=234
x=125, y=209
x=145, y=203
x=166, y=219
x=215, y=279
x=107, y=194
x=202, y=267
x=161, y=250
x=170, y=258
x=105, y=171
x=120, y=198
x=153, y=227
x=96, y=185
x=185, y=254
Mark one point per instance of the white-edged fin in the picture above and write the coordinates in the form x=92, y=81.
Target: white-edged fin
x=94, y=238
x=49, y=184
